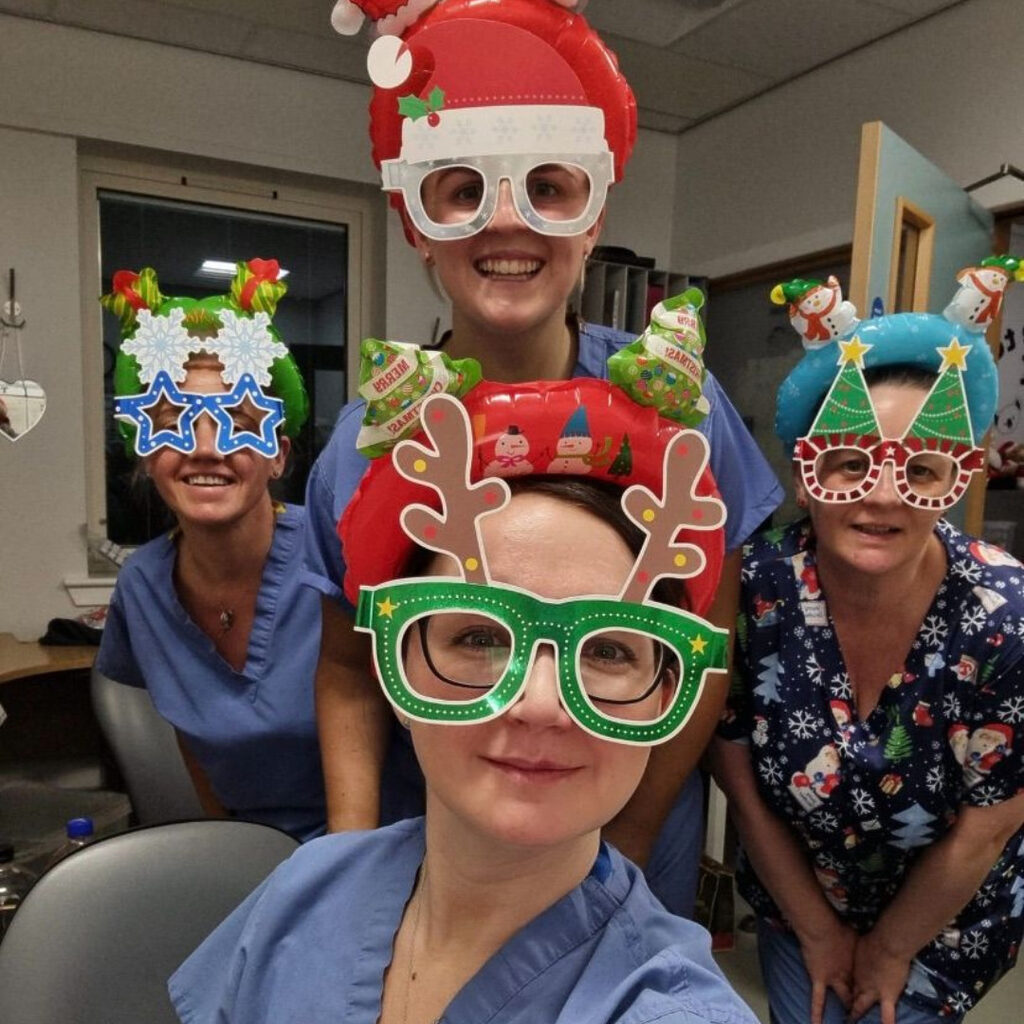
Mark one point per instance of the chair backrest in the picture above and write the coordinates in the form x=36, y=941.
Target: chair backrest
x=146, y=750
x=100, y=933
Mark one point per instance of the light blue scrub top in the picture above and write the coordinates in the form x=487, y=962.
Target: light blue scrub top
x=312, y=943
x=253, y=732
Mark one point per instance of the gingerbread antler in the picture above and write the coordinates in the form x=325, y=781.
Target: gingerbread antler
x=446, y=468
x=680, y=507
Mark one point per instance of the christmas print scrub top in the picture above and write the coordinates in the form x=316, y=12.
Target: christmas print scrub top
x=866, y=797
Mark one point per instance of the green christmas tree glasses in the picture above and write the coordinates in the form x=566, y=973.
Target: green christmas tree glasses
x=460, y=653
x=842, y=456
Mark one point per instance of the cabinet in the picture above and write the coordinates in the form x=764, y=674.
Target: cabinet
x=622, y=295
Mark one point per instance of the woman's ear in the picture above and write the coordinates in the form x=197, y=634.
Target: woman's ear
x=280, y=460
x=593, y=233
x=802, y=497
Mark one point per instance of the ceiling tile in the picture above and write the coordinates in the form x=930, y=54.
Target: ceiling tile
x=783, y=38
x=160, y=22
x=687, y=87
x=918, y=8
x=332, y=55
x=655, y=22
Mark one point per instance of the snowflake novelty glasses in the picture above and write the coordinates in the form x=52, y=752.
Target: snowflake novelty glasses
x=165, y=417
x=460, y=653
x=457, y=197
x=928, y=474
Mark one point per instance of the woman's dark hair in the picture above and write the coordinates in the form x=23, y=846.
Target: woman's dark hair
x=599, y=497
x=902, y=375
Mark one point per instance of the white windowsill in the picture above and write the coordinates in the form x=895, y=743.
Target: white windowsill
x=89, y=591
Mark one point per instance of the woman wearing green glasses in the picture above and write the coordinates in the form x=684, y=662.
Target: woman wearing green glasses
x=525, y=653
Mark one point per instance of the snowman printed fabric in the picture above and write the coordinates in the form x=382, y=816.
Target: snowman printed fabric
x=868, y=796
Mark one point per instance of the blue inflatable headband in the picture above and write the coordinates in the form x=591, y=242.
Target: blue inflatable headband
x=824, y=320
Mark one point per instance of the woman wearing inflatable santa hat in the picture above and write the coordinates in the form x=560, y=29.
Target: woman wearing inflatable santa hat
x=498, y=128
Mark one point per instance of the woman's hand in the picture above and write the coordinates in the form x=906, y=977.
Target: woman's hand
x=829, y=960
x=879, y=976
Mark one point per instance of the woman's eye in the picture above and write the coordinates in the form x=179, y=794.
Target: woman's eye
x=608, y=652
x=479, y=639
x=544, y=190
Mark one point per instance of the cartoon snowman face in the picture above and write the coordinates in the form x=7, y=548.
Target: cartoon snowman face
x=511, y=445
x=574, y=447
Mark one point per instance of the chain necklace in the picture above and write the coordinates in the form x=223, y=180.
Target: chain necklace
x=419, y=896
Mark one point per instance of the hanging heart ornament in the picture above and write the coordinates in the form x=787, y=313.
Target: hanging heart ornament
x=22, y=404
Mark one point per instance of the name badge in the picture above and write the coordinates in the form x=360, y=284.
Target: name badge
x=815, y=613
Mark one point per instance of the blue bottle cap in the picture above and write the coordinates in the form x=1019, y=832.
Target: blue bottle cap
x=79, y=828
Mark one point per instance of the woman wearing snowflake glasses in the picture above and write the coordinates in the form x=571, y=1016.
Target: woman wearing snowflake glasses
x=536, y=648
x=874, y=755
x=210, y=618
x=499, y=128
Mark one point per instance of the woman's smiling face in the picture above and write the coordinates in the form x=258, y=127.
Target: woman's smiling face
x=880, y=532
x=206, y=487
x=532, y=777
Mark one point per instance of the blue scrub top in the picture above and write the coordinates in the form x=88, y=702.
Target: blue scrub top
x=313, y=942
x=253, y=732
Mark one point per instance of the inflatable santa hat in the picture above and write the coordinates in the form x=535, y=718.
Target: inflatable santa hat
x=510, y=78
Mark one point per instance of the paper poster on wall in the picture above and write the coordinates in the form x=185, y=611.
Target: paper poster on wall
x=1006, y=447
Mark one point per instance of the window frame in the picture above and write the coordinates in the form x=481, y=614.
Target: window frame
x=187, y=181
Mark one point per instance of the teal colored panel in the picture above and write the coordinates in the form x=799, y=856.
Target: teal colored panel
x=963, y=228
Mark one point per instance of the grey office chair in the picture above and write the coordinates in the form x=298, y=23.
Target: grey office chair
x=99, y=935
x=146, y=751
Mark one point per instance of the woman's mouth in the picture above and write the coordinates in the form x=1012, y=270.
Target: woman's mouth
x=508, y=268
x=876, y=529
x=206, y=480
x=526, y=770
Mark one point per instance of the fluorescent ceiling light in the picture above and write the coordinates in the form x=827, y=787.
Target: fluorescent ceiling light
x=226, y=268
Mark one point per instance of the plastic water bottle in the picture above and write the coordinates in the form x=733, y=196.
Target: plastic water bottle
x=15, y=883
x=79, y=832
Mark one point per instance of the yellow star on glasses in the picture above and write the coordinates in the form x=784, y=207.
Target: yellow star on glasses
x=386, y=608
x=954, y=354
x=853, y=351
x=697, y=644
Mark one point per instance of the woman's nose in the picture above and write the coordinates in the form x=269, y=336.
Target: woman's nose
x=540, y=703
x=505, y=212
x=884, y=491
x=205, y=428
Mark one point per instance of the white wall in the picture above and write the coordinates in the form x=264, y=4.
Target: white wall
x=42, y=475
x=59, y=85
x=776, y=177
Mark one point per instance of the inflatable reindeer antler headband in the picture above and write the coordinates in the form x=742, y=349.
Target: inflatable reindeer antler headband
x=681, y=647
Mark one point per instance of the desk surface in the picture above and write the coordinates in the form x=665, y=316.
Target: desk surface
x=18, y=660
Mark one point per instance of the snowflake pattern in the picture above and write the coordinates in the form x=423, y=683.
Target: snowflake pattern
x=863, y=802
x=770, y=771
x=801, y=724
x=862, y=819
x=1012, y=710
x=246, y=346
x=969, y=571
x=160, y=343
x=973, y=620
x=934, y=630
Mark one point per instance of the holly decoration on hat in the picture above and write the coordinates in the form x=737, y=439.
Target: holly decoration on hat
x=414, y=108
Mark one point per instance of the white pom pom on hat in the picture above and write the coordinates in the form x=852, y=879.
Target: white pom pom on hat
x=389, y=62
x=346, y=18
